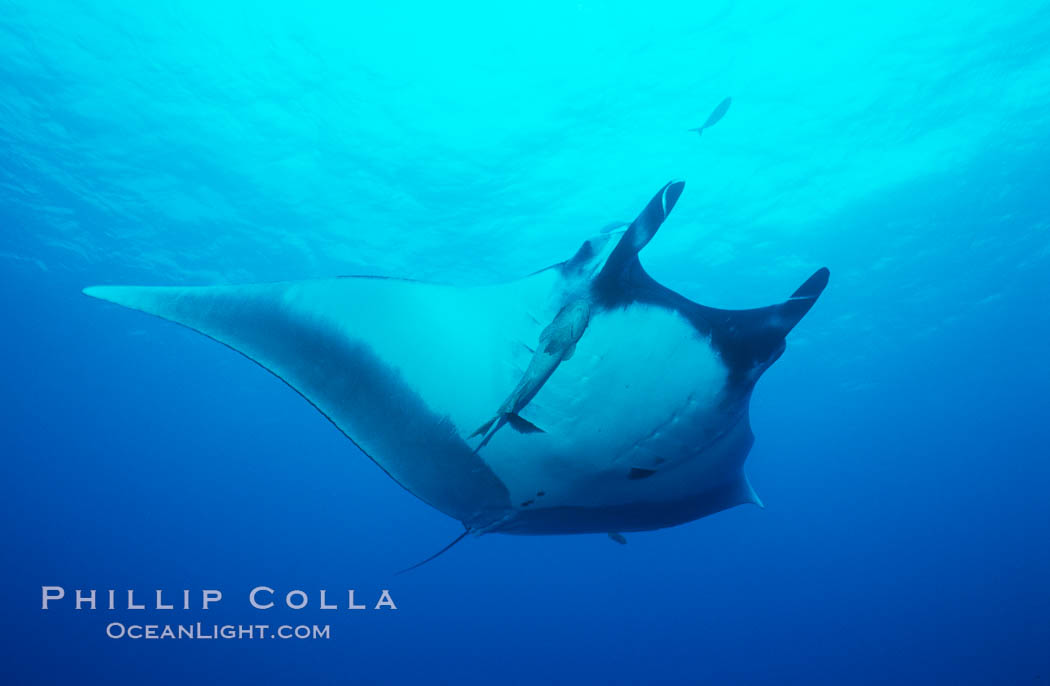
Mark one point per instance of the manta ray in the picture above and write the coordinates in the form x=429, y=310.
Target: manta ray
x=583, y=398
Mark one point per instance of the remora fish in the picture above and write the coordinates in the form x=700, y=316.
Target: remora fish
x=557, y=343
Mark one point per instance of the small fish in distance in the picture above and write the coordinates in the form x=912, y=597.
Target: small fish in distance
x=716, y=116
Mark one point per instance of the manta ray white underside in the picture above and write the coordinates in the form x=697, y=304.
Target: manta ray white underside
x=642, y=424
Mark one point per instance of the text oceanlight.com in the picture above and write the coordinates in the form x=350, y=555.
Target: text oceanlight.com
x=215, y=631
x=260, y=598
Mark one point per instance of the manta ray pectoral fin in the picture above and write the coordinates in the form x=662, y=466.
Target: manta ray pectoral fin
x=741, y=492
x=736, y=491
x=340, y=343
x=618, y=538
x=748, y=492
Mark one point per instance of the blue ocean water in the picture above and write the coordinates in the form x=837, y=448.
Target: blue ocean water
x=901, y=442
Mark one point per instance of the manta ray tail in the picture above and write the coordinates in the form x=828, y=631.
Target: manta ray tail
x=456, y=540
